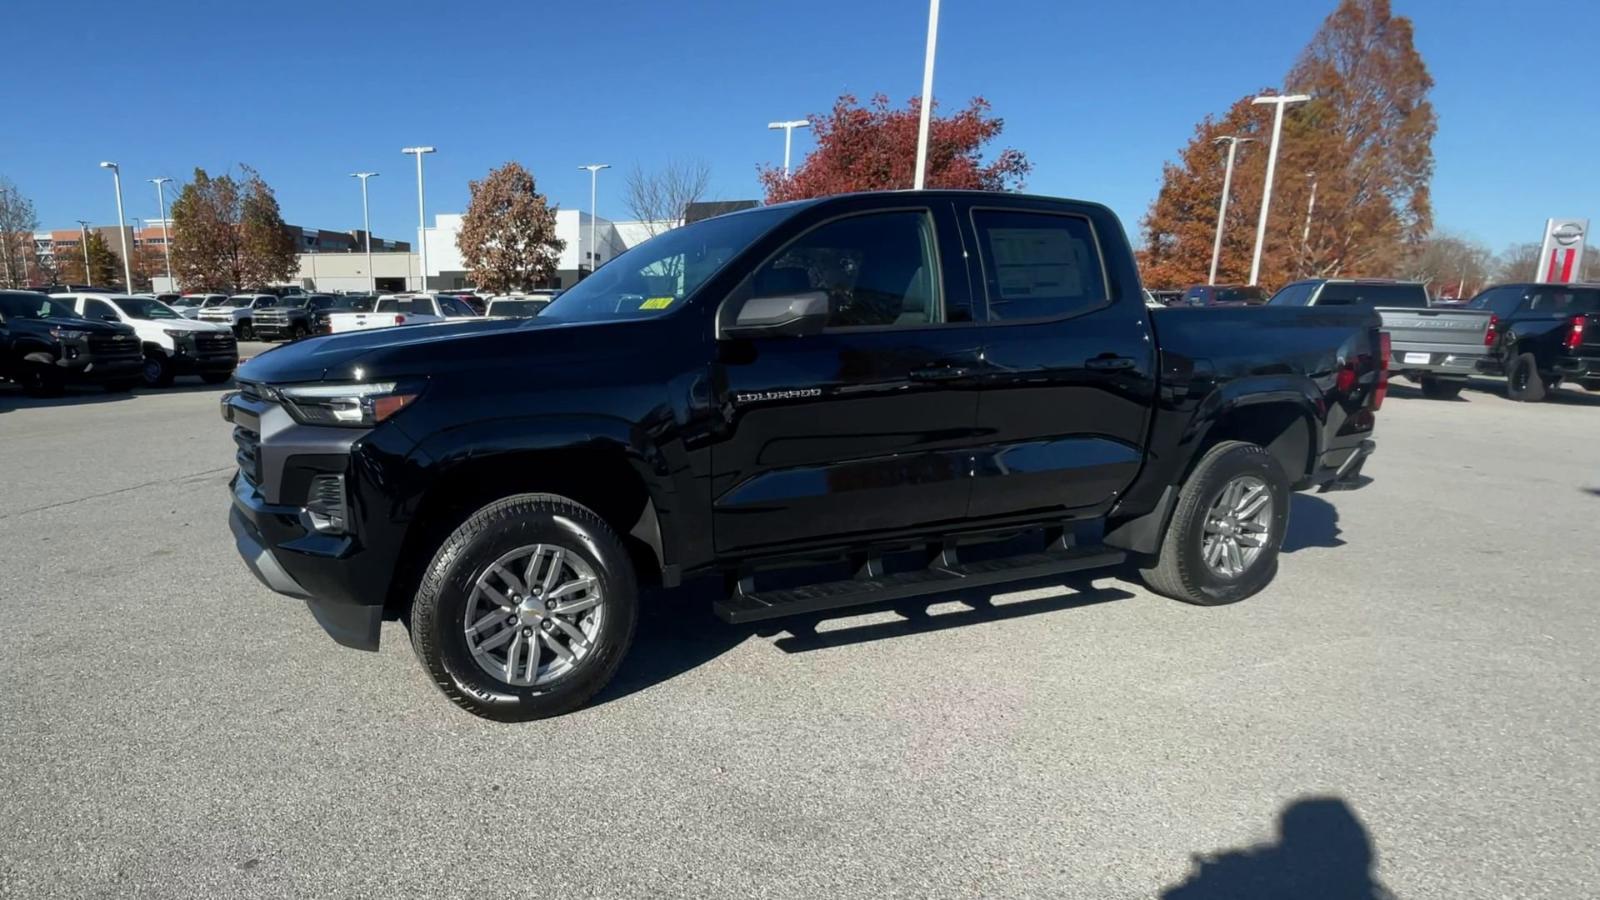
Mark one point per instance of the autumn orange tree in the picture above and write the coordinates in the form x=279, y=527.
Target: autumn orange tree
x=228, y=235
x=874, y=147
x=508, y=234
x=1363, y=143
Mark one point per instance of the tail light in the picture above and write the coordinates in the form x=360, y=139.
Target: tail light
x=399, y=320
x=1575, y=336
x=1382, y=389
x=1493, y=334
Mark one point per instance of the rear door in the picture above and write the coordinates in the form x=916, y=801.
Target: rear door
x=1068, y=380
x=866, y=428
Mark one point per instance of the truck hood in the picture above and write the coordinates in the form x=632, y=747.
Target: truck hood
x=92, y=326
x=408, y=350
x=182, y=325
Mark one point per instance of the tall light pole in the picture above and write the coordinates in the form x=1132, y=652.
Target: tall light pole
x=1222, y=209
x=788, y=135
x=366, y=223
x=166, y=239
x=122, y=226
x=927, y=95
x=83, y=224
x=594, y=176
x=422, y=220
x=1280, y=101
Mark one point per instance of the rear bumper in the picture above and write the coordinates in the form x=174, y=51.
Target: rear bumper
x=1436, y=360
x=1579, y=367
x=296, y=562
x=1341, y=470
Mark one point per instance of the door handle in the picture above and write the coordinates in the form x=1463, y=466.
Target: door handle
x=938, y=373
x=1109, y=363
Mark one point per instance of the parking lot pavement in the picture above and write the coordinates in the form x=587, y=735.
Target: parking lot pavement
x=1425, y=663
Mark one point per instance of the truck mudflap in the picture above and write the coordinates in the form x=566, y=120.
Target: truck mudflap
x=1347, y=475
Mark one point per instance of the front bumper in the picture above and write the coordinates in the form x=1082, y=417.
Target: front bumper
x=91, y=370
x=287, y=558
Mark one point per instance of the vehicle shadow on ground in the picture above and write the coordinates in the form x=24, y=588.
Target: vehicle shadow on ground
x=1566, y=395
x=12, y=397
x=1322, y=852
x=1313, y=522
x=678, y=632
x=1406, y=390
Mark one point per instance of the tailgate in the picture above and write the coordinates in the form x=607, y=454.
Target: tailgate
x=1455, y=331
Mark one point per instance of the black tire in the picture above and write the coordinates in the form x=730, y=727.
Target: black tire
x=298, y=332
x=157, y=370
x=120, y=387
x=247, y=331
x=440, y=605
x=215, y=377
x=1179, y=571
x=1523, y=383
x=1441, y=388
x=41, y=380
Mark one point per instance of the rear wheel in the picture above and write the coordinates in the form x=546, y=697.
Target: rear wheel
x=1222, y=543
x=1523, y=383
x=526, y=610
x=1441, y=388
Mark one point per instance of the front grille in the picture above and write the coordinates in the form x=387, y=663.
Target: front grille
x=270, y=316
x=214, y=342
x=249, y=453
x=114, y=348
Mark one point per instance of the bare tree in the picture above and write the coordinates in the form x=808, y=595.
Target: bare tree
x=17, y=222
x=658, y=199
x=1450, y=265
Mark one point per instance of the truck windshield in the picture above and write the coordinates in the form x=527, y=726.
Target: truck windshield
x=142, y=308
x=33, y=306
x=411, y=306
x=1388, y=296
x=517, y=307
x=654, y=277
x=240, y=302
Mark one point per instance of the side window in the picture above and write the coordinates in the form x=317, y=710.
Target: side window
x=877, y=270
x=1293, y=295
x=1037, y=264
x=99, y=309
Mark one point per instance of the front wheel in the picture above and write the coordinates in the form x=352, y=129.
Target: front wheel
x=1222, y=543
x=1440, y=388
x=526, y=610
x=157, y=370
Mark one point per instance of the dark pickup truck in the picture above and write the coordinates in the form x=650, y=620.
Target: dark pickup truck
x=45, y=346
x=842, y=401
x=1543, y=334
x=295, y=317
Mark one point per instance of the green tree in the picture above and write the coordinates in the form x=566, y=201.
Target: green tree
x=105, y=267
x=508, y=234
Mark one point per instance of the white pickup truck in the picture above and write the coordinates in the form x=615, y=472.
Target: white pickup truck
x=172, y=345
x=401, y=309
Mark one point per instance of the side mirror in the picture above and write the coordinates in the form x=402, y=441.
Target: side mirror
x=110, y=317
x=790, y=315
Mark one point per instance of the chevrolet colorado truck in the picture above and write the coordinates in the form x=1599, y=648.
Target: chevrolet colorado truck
x=1545, y=334
x=45, y=346
x=833, y=402
x=1437, y=348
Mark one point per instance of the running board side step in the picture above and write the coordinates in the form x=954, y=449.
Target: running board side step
x=744, y=605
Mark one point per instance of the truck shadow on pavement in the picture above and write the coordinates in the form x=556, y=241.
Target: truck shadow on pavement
x=1566, y=395
x=1322, y=852
x=1313, y=522
x=678, y=633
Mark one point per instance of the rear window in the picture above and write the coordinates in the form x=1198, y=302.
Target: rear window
x=1037, y=265
x=1247, y=294
x=1388, y=296
x=1563, y=300
x=517, y=307
x=411, y=306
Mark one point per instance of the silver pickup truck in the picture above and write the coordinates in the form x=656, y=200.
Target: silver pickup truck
x=1439, y=348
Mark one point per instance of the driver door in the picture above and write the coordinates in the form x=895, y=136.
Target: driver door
x=867, y=427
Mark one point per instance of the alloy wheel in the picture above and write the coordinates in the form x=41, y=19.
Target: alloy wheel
x=534, y=615
x=1237, y=526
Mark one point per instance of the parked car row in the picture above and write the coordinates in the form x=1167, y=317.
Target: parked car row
x=110, y=339
x=1536, y=335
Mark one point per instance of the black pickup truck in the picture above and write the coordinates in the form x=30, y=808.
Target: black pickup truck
x=841, y=401
x=1543, y=334
x=45, y=346
x=295, y=317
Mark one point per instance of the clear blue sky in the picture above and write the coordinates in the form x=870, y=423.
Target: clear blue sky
x=1097, y=94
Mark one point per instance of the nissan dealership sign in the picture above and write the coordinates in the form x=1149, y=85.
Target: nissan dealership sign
x=1561, y=257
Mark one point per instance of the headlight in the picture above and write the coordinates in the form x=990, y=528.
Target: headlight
x=178, y=334
x=355, y=405
x=68, y=334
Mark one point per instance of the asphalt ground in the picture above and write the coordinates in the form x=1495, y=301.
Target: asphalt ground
x=1411, y=704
